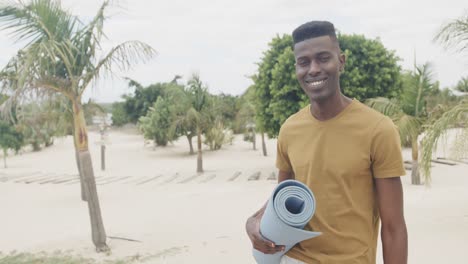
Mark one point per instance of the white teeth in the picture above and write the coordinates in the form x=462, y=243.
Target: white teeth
x=317, y=83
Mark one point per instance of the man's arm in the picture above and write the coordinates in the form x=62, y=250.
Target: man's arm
x=253, y=225
x=394, y=234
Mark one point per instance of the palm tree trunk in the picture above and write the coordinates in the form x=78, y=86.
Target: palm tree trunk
x=81, y=138
x=103, y=157
x=264, y=145
x=189, y=138
x=80, y=174
x=415, y=179
x=82, y=182
x=199, y=158
x=36, y=146
x=4, y=158
x=254, y=139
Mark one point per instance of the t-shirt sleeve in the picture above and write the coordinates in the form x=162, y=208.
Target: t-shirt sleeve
x=282, y=159
x=386, y=156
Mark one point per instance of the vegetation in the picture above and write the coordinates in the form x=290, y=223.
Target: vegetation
x=454, y=36
x=409, y=111
x=61, y=57
x=462, y=85
x=10, y=138
x=63, y=258
x=371, y=71
x=200, y=110
x=158, y=121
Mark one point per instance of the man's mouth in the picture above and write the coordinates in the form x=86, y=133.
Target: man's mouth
x=316, y=83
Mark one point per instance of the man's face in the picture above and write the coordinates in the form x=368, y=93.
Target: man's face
x=318, y=64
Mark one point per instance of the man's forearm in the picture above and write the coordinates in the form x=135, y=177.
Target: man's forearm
x=395, y=245
x=260, y=212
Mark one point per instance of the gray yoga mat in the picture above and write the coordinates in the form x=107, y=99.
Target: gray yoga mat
x=290, y=208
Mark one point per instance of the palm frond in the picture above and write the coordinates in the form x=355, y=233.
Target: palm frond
x=408, y=126
x=87, y=40
x=93, y=108
x=459, y=113
x=454, y=35
x=388, y=107
x=423, y=76
x=198, y=93
x=38, y=20
x=123, y=57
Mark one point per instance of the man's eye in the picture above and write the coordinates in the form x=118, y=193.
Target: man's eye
x=324, y=59
x=302, y=63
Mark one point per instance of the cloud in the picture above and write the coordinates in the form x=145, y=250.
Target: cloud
x=223, y=40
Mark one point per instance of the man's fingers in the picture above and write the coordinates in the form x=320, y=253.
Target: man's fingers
x=266, y=243
x=268, y=250
x=280, y=248
x=268, y=247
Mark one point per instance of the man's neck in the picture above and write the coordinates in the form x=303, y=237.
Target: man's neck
x=325, y=110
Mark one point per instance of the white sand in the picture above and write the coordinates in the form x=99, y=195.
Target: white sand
x=199, y=221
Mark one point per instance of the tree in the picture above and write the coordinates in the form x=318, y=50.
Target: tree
x=262, y=85
x=200, y=102
x=247, y=115
x=9, y=139
x=226, y=106
x=61, y=57
x=138, y=105
x=371, y=70
x=452, y=35
x=158, y=121
x=246, y=121
x=119, y=115
x=185, y=122
x=409, y=111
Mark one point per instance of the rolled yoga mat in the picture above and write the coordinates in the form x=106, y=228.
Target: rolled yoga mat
x=290, y=208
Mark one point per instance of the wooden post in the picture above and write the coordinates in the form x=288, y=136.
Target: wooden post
x=103, y=157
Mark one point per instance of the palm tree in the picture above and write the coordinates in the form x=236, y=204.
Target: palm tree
x=409, y=113
x=453, y=35
x=200, y=112
x=186, y=124
x=458, y=115
x=61, y=57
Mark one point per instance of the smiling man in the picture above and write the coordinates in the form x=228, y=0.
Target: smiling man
x=350, y=157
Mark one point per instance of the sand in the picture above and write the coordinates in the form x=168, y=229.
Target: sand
x=155, y=197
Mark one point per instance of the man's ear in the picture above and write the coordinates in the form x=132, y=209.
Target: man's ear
x=342, y=59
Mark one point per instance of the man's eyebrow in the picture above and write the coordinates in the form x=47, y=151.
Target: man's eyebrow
x=302, y=58
x=326, y=52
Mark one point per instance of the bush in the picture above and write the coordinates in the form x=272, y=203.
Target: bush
x=216, y=136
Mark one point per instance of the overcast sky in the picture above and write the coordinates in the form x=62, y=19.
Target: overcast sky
x=223, y=40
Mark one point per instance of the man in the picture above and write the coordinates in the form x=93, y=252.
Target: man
x=350, y=157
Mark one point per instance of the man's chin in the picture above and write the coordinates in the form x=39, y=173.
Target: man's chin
x=318, y=97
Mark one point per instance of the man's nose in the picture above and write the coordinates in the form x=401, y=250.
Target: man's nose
x=314, y=68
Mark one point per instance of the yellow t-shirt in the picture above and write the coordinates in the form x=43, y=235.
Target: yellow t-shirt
x=338, y=160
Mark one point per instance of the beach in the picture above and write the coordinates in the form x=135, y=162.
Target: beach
x=157, y=209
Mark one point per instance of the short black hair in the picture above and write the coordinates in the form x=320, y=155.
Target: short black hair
x=314, y=29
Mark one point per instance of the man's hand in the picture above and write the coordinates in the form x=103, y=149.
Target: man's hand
x=253, y=225
x=258, y=241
